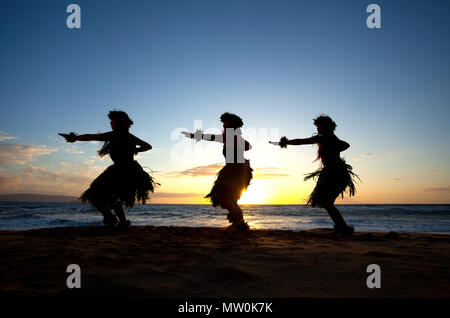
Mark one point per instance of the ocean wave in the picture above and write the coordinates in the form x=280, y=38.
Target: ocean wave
x=385, y=218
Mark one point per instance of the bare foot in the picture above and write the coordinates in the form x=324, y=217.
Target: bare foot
x=344, y=231
x=125, y=225
x=110, y=220
x=243, y=226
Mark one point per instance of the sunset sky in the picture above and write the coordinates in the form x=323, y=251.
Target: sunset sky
x=277, y=64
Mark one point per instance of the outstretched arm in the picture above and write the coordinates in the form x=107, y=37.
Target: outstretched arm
x=72, y=137
x=295, y=142
x=201, y=136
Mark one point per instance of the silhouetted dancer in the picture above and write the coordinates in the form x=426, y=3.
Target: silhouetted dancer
x=124, y=181
x=335, y=176
x=235, y=176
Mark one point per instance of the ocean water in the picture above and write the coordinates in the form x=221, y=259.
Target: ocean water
x=376, y=218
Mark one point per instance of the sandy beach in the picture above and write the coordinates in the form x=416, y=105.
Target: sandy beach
x=213, y=262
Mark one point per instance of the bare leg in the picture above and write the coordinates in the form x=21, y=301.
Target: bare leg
x=238, y=214
x=108, y=218
x=120, y=212
x=241, y=224
x=229, y=207
x=336, y=216
x=235, y=215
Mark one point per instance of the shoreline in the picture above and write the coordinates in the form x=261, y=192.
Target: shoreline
x=321, y=231
x=219, y=228
x=151, y=261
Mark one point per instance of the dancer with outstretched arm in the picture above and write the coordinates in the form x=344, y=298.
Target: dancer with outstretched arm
x=334, y=177
x=235, y=176
x=125, y=181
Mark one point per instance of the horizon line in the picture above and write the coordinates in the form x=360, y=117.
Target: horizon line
x=246, y=204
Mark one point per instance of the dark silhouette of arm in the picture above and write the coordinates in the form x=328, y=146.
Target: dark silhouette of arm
x=144, y=146
x=207, y=137
x=86, y=137
x=343, y=145
x=212, y=137
x=90, y=137
x=298, y=142
x=248, y=146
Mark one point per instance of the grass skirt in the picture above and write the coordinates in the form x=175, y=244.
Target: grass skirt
x=122, y=183
x=331, y=181
x=231, y=180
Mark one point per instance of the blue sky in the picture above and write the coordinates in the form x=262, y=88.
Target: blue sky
x=277, y=64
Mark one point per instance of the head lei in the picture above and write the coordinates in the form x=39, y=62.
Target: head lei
x=121, y=117
x=325, y=121
x=234, y=120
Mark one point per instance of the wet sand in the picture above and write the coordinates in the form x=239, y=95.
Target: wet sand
x=213, y=262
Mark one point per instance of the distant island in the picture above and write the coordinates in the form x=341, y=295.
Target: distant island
x=33, y=197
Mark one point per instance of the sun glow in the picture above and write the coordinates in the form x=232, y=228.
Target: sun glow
x=252, y=196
